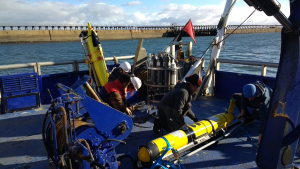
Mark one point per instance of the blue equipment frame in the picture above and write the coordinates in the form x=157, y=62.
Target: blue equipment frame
x=162, y=163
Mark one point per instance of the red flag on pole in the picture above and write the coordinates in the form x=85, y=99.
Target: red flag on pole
x=189, y=29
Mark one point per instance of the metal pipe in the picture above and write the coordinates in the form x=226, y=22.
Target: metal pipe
x=87, y=146
x=281, y=18
x=16, y=66
x=92, y=92
x=243, y=62
x=120, y=58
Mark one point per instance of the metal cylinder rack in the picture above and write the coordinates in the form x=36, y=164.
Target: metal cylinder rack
x=162, y=74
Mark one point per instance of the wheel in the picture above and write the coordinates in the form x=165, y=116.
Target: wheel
x=138, y=164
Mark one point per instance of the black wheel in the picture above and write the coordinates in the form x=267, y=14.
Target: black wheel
x=138, y=164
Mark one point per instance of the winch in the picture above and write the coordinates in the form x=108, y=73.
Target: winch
x=80, y=132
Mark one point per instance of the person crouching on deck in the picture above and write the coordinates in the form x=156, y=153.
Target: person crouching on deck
x=176, y=105
x=255, y=95
x=114, y=93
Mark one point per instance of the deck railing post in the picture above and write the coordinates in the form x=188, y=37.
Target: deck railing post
x=35, y=69
x=116, y=60
x=173, y=50
x=38, y=69
x=217, y=67
x=190, y=49
x=75, y=66
x=263, y=70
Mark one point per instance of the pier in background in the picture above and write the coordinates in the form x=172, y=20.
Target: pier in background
x=12, y=33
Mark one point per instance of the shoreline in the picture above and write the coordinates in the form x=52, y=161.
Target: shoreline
x=46, y=36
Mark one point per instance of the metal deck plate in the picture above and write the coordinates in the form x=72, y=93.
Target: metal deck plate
x=21, y=144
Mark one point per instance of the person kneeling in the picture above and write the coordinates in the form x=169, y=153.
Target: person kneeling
x=176, y=105
x=255, y=95
x=114, y=93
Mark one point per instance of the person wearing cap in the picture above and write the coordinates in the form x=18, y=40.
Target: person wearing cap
x=257, y=96
x=124, y=67
x=114, y=93
x=176, y=104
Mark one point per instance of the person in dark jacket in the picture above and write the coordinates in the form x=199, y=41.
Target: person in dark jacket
x=255, y=95
x=124, y=68
x=176, y=105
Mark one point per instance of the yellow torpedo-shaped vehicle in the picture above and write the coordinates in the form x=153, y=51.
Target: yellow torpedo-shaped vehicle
x=193, y=134
x=95, y=58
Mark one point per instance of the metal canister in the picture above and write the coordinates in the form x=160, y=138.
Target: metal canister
x=167, y=64
x=173, y=77
x=160, y=75
x=153, y=72
x=149, y=65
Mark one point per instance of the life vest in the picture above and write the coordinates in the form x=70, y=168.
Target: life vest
x=114, y=86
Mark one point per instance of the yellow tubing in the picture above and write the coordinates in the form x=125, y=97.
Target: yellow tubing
x=97, y=58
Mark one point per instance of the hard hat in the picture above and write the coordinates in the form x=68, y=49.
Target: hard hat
x=249, y=90
x=126, y=67
x=137, y=83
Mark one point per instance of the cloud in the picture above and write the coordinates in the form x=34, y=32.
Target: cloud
x=132, y=3
x=25, y=12
x=43, y=12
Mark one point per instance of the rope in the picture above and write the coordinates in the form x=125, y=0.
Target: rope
x=60, y=133
x=224, y=19
x=236, y=28
x=212, y=44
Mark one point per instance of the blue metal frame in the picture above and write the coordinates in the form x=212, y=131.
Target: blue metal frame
x=49, y=82
x=281, y=130
x=163, y=163
x=227, y=83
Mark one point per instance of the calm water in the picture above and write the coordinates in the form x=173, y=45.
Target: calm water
x=263, y=47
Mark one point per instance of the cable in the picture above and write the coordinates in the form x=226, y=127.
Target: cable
x=44, y=139
x=236, y=28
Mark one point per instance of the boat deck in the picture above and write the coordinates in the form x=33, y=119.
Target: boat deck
x=21, y=144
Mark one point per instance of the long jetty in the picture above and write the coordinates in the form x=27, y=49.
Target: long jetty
x=60, y=33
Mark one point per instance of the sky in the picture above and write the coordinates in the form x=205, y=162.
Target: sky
x=129, y=13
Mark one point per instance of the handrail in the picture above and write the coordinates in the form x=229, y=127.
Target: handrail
x=119, y=58
x=244, y=62
x=58, y=63
x=16, y=66
x=37, y=66
x=263, y=65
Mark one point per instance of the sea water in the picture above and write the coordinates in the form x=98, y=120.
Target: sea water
x=262, y=47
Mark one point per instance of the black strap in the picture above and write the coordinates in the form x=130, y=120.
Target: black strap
x=212, y=126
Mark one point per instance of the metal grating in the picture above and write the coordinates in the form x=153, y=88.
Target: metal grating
x=19, y=83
